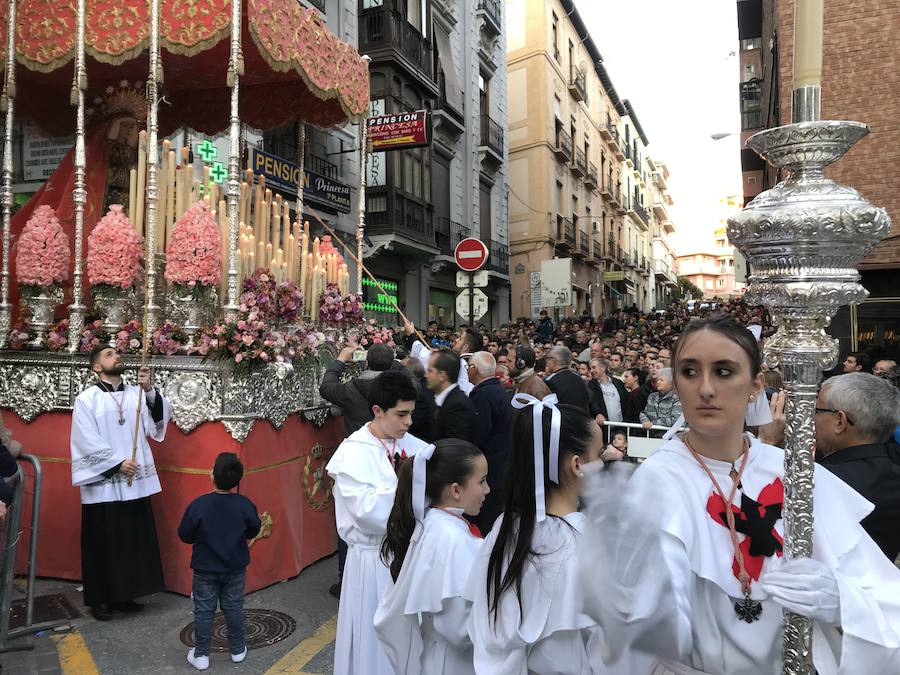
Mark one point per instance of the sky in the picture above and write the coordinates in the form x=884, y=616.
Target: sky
x=677, y=64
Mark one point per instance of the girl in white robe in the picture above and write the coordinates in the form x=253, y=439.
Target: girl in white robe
x=675, y=586
x=422, y=619
x=526, y=615
x=364, y=483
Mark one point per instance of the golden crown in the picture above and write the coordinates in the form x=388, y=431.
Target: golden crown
x=125, y=99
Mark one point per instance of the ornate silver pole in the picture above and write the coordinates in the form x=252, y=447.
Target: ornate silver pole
x=301, y=160
x=361, y=225
x=804, y=239
x=235, y=70
x=79, y=195
x=7, y=103
x=151, y=309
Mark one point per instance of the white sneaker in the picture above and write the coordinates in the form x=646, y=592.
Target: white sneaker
x=199, y=662
x=237, y=658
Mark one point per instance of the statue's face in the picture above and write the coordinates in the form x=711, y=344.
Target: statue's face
x=127, y=128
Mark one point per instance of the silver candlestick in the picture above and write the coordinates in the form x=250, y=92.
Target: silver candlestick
x=804, y=239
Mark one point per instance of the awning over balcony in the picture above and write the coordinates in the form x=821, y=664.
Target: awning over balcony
x=293, y=66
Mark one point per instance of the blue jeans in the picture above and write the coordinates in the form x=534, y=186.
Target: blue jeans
x=226, y=590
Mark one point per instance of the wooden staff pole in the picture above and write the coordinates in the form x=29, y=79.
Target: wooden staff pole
x=145, y=347
x=369, y=274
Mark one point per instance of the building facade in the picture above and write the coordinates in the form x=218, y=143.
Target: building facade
x=663, y=274
x=446, y=58
x=578, y=175
x=861, y=82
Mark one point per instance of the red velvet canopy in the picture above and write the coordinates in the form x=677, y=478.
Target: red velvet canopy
x=294, y=68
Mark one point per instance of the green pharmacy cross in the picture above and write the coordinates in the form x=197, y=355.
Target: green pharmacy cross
x=208, y=151
x=218, y=172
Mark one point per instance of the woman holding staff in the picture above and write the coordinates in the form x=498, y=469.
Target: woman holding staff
x=691, y=547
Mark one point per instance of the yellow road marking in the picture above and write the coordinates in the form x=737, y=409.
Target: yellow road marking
x=294, y=661
x=74, y=657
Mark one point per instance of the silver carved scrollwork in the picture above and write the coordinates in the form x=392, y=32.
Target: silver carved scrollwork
x=32, y=383
x=803, y=240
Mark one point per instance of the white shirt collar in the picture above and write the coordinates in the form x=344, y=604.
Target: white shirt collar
x=440, y=398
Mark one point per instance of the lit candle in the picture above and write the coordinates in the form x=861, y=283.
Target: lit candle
x=808, y=32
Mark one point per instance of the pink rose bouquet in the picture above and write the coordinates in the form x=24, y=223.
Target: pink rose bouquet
x=20, y=333
x=92, y=335
x=376, y=335
x=129, y=339
x=168, y=339
x=337, y=311
x=272, y=301
x=58, y=338
x=194, y=256
x=42, y=255
x=114, y=252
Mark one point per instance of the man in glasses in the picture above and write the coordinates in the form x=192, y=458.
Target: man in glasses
x=855, y=415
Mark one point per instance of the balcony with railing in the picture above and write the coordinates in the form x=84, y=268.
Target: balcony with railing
x=498, y=260
x=630, y=260
x=629, y=157
x=389, y=211
x=641, y=212
x=565, y=232
x=578, y=84
x=618, y=200
x=664, y=270
x=492, y=139
x=606, y=189
x=607, y=129
x=579, y=163
x=596, y=253
x=447, y=234
x=563, y=146
x=383, y=29
x=617, y=147
x=584, y=245
x=591, y=180
x=491, y=11
x=660, y=211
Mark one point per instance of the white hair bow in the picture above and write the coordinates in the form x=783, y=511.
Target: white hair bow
x=418, y=485
x=521, y=401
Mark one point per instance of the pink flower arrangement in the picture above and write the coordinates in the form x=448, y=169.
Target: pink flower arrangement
x=21, y=333
x=337, y=311
x=376, y=335
x=129, y=338
x=194, y=256
x=58, y=338
x=272, y=301
x=114, y=251
x=42, y=255
x=168, y=339
x=92, y=335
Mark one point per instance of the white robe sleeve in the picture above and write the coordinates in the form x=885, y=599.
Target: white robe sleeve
x=156, y=430
x=367, y=505
x=450, y=622
x=91, y=453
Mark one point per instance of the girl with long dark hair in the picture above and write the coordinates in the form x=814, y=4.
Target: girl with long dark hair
x=525, y=615
x=691, y=548
x=430, y=547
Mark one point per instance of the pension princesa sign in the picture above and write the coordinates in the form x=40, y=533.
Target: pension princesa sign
x=284, y=175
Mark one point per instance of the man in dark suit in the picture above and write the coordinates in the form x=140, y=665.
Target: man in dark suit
x=352, y=397
x=455, y=416
x=565, y=382
x=609, y=399
x=493, y=430
x=855, y=415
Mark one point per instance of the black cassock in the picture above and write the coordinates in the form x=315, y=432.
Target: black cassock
x=119, y=549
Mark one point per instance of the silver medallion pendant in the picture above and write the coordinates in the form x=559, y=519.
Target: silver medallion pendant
x=748, y=610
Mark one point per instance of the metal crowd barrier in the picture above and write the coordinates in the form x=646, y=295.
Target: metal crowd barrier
x=641, y=441
x=10, y=535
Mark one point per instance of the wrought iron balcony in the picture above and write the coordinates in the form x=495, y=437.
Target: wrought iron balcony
x=641, y=212
x=578, y=84
x=492, y=135
x=565, y=232
x=384, y=29
x=579, y=164
x=606, y=191
x=491, y=10
x=498, y=260
x=563, y=147
x=596, y=253
x=389, y=211
x=608, y=130
x=630, y=260
x=447, y=234
x=591, y=180
x=584, y=243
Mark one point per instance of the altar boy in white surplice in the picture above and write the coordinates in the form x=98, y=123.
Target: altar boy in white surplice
x=363, y=469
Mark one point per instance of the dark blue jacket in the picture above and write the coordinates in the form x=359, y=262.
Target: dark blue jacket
x=545, y=328
x=219, y=525
x=493, y=423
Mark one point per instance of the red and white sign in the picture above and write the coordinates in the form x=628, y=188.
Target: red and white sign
x=398, y=130
x=470, y=254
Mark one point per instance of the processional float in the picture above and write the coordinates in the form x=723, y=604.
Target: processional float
x=210, y=66
x=804, y=239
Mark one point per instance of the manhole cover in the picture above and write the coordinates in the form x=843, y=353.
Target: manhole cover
x=47, y=608
x=264, y=627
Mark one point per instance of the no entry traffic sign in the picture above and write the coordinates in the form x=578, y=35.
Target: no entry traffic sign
x=470, y=254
